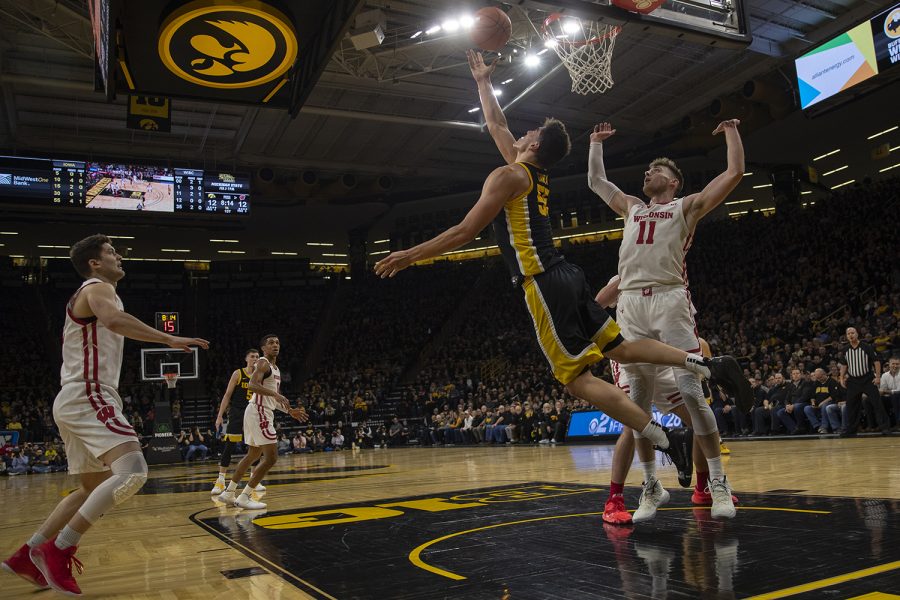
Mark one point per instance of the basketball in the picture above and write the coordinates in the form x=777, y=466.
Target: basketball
x=491, y=29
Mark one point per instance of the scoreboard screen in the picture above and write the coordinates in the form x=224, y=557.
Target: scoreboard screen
x=168, y=322
x=44, y=182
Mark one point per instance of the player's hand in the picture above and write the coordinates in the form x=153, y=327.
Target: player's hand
x=299, y=413
x=602, y=132
x=729, y=124
x=480, y=71
x=877, y=380
x=218, y=422
x=393, y=263
x=183, y=343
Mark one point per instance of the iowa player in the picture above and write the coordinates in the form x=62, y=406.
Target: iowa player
x=234, y=401
x=572, y=330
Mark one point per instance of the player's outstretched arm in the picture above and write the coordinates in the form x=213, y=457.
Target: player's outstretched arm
x=696, y=206
x=608, y=296
x=493, y=115
x=226, y=398
x=259, y=371
x=615, y=198
x=101, y=299
x=501, y=185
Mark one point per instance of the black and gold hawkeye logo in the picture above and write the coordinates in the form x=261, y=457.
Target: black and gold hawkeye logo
x=228, y=45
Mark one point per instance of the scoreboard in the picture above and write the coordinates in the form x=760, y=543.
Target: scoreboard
x=38, y=182
x=168, y=322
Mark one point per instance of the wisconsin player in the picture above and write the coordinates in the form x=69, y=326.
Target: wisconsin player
x=259, y=424
x=234, y=401
x=571, y=329
x=654, y=302
x=101, y=446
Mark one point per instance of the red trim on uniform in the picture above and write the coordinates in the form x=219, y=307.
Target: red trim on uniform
x=71, y=303
x=98, y=403
x=264, y=423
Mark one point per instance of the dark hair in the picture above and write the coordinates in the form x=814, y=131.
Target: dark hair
x=554, y=143
x=670, y=164
x=90, y=248
x=265, y=338
x=252, y=350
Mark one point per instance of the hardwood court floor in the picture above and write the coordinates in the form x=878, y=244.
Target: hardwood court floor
x=505, y=522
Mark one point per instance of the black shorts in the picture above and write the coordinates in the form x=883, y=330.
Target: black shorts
x=234, y=431
x=572, y=330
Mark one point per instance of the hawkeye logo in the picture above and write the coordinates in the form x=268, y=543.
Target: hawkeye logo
x=227, y=45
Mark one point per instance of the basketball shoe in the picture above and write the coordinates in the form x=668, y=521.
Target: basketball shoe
x=614, y=512
x=226, y=497
x=704, y=498
x=56, y=566
x=218, y=487
x=244, y=501
x=722, y=503
x=723, y=449
x=681, y=453
x=726, y=371
x=21, y=564
x=653, y=496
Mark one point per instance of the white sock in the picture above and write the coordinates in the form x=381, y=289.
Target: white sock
x=655, y=434
x=247, y=491
x=36, y=540
x=231, y=486
x=695, y=363
x=716, y=471
x=649, y=470
x=67, y=537
x=221, y=478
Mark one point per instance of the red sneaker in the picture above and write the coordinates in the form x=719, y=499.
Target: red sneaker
x=20, y=564
x=614, y=512
x=56, y=566
x=704, y=498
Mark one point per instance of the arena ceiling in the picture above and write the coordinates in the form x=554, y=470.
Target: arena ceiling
x=401, y=109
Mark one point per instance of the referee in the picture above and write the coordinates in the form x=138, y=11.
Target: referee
x=857, y=375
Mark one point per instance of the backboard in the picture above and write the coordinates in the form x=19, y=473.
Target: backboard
x=155, y=362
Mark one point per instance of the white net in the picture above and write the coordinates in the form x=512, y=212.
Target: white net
x=585, y=48
x=171, y=380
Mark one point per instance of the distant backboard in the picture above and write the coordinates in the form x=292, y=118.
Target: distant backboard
x=157, y=362
x=721, y=22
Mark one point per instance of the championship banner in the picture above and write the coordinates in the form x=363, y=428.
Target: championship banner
x=163, y=448
x=150, y=113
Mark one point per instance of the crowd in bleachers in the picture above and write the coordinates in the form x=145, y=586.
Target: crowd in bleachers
x=449, y=349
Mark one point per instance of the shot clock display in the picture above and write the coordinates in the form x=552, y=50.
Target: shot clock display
x=168, y=322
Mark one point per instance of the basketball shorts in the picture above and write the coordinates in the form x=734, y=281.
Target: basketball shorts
x=234, y=431
x=659, y=315
x=259, y=425
x=572, y=330
x=664, y=391
x=91, y=423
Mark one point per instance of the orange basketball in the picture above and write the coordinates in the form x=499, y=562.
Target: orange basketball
x=491, y=29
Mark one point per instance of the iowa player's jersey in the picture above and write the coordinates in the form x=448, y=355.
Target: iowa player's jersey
x=523, y=227
x=241, y=396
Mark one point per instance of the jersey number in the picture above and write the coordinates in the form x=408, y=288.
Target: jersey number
x=543, y=194
x=646, y=228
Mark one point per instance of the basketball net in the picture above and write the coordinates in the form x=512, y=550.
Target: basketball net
x=171, y=379
x=585, y=48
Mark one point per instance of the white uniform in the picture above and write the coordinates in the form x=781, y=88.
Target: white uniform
x=664, y=395
x=654, y=301
x=88, y=409
x=259, y=416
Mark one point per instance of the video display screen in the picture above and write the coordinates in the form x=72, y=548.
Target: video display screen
x=130, y=187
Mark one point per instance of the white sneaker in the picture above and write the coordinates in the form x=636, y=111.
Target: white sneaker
x=226, y=497
x=218, y=488
x=243, y=501
x=653, y=496
x=260, y=489
x=722, y=504
x=544, y=442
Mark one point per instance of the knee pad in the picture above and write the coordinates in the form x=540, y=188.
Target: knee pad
x=702, y=417
x=130, y=471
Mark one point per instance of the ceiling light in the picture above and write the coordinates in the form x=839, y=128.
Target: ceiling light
x=450, y=26
x=467, y=21
x=319, y=244
x=498, y=92
x=571, y=26
x=173, y=250
x=748, y=174
x=284, y=253
x=739, y=201
x=765, y=185
x=45, y=246
x=834, y=187
x=551, y=43
x=738, y=213
x=542, y=51
x=330, y=254
x=433, y=29
x=875, y=135
x=9, y=233
x=415, y=35
x=120, y=237
x=836, y=170
x=230, y=252
x=381, y=241
x=806, y=192
x=507, y=81
x=471, y=110
x=888, y=168
x=225, y=241
x=826, y=154
x=532, y=60
x=379, y=252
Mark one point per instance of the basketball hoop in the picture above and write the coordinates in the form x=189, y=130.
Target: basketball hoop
x=585, y=48
x=171, y=379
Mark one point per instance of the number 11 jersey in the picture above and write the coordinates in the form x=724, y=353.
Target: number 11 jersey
x=654, y=245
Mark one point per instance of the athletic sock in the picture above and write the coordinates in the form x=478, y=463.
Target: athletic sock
x=649, y=469
x=616, y=489
x=231, y=486
x=716, y=471
x=247, y=491
x=67, y=537
x=36, y=540
x=702, y=480
x=220, y=478
x=655, y=434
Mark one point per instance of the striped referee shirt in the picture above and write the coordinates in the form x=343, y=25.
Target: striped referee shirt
x=860, y=361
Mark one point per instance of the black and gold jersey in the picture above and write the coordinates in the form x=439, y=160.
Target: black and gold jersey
x=241, y=395
x=523, y=227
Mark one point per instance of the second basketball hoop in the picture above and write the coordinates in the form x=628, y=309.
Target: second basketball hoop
x=585, y=48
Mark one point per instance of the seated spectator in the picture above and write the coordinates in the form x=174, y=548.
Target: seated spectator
x=395, y=433
x=826, y=392
x=337, y=440
x=20, y=464
x=283, y=444
x=196, y=443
